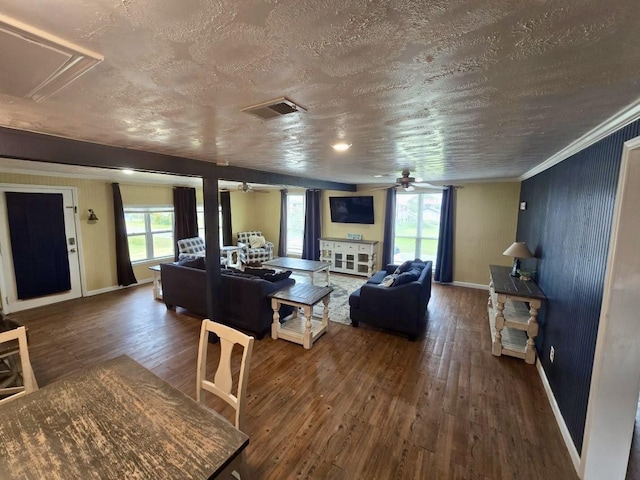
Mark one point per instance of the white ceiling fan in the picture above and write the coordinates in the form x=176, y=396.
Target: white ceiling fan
x=246, y=188
x=407, y=183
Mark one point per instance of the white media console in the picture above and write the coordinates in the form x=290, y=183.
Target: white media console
x=357, y=257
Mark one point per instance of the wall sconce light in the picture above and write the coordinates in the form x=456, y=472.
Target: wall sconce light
x=92, y=217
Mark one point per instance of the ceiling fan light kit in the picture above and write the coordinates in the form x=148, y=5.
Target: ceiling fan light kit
x=341, y=146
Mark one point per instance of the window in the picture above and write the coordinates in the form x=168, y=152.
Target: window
x=417, y=226
x=149, y=232
x=295, y=224
x=200, y=214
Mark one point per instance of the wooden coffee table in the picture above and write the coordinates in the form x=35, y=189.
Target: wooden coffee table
x=302, y=330
x=300, y=265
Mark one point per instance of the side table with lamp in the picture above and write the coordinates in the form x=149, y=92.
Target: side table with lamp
x=517, y=250
x=513, y=308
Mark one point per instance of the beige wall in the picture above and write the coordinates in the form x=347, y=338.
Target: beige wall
x=486, y=218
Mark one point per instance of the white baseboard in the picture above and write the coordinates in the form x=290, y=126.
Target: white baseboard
x=113, y=288
x=566, y=436
x=479, y=286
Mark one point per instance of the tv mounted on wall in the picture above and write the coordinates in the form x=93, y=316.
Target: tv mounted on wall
x=351, y=209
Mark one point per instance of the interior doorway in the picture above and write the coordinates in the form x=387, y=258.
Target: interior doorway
x=615, y=382
x=39, y=246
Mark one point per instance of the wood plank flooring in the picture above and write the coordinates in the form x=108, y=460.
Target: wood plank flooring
x=361, y=404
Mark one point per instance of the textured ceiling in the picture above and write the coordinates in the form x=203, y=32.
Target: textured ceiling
x=453, y=90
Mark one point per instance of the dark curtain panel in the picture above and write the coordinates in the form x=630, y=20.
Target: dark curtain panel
x=123, y=262
x=444, y=259
x=38, y=243
x=389, y=227
x=225, y=204
x=312, y=225
x=184, y=214
x=282, y=241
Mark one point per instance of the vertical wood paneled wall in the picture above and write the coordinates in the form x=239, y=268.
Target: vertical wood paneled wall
x=568, y=225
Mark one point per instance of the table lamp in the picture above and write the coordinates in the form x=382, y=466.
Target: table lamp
x=517, y=250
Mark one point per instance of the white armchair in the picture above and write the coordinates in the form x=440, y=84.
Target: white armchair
x=191, y=248
x=249, y=254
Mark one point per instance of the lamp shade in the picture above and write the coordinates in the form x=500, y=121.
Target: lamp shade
x=518, y=250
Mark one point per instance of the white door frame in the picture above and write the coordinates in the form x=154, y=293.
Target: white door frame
x=4, y=259
x=615, y=381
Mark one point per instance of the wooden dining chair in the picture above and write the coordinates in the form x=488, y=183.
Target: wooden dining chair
x=222, y=383
x=14, y=342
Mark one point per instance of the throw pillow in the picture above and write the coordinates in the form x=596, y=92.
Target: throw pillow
x=405, y=277
x=404, y=267
x=198, y=262
x=258, y=272
x=230, y=271
x=388, y=280
x=276, y=277
x=417, y=263
x=257, y=241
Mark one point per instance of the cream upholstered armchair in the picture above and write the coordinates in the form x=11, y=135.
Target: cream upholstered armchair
x=254, y=247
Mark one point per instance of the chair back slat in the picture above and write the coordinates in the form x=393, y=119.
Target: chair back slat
x=223, y=379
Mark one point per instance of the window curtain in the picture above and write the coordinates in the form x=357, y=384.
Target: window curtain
x=282, y=240
x=444, y=258
x=225, y=205
x=389, y=227
x=185, y=215
x=123, y=261
x=312, y=225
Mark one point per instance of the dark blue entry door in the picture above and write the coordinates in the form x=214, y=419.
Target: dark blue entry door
x=38, y=243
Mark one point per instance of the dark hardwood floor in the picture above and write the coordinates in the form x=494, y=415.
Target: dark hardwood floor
x=361, y=404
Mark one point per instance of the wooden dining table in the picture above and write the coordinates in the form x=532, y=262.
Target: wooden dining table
x=116, y=420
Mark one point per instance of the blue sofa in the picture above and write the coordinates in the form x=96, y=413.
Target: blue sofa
x=400, y=307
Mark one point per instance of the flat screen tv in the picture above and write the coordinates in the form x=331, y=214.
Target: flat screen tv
x=351, y=209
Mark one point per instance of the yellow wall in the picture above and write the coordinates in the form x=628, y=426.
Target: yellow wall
x=486, y=218
x=266, y=211
x=242, y=218
x=368, y=232
x=97, y=247
x=485, y=222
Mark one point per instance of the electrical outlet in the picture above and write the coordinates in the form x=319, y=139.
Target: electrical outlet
x=552, y=354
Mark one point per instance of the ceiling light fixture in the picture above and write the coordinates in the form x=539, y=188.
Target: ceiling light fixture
x=377, y=176
x=127, y=171
x=341, y=146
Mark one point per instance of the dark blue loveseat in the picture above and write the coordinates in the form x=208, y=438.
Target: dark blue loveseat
x=400, y=307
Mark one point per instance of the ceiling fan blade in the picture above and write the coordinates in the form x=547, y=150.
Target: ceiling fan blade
x=427, y=186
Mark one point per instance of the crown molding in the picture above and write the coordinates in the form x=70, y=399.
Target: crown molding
x=621, y=119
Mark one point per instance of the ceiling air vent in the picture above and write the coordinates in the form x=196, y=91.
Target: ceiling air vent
x=274, y=108
x=36, y=64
